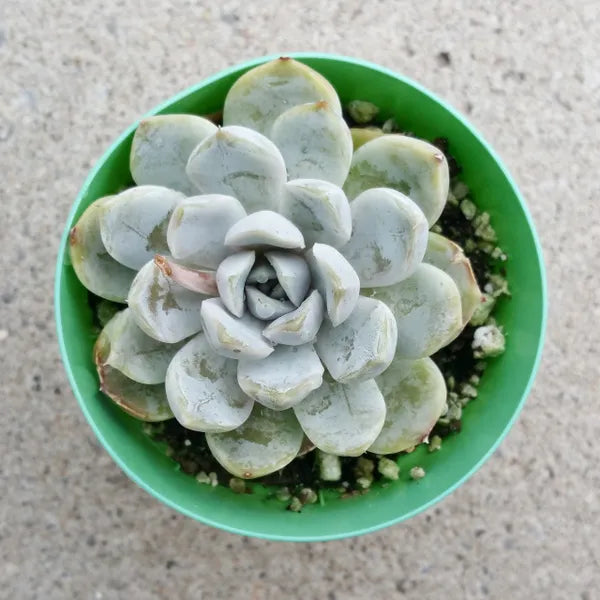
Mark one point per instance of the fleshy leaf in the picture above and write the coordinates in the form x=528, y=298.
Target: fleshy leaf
x=97, y=270
x=362, y=135
x=319, y=209
x=292, y=273
x=196, y=280
x=259, y=96
x=315, y=142
x=389, y=237
x=265, y=228
x=144, y=402
x=202, y=389
x=450, y=258
x=306, y=447
x=162, y=308
x=266, y=442
x=415, y=397
x=361, y=347
x=335, y=279
x=198, y=226
x=282, y=379
x=342, y=419
x=232, y=337
x=135, y=354
x=299, y=326
x=161, y=147
x=278, y=292
x=427, y=311
x=241, y=163
x=264, y=307
x=409, y=165
x=262, y=272
x=134, y=223
x=231, y=280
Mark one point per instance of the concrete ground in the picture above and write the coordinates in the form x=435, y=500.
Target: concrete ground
x=73, y=75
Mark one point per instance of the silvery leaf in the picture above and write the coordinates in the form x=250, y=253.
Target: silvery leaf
x=266, y=442
x=232, y=337
x=259, y=96
x=409, y=165
x=449, y=257
x=342, y=419
x=162, y=308
x=231, y=280
x=319, y=209
x=97, y=270
x=265, y=228
x=262, y=272
x=134, y=223
x=292, y=273
x=282, y=379
x=315, y=142
x=135, y=354
x=144, y=402
x=335, y=279
x=161, y=147
x=389, y=237
x=197, y=229
x=241, y=163
x=299, y=326
x=427, y=310
x=361, y=347
x=264, y=307
x=415, y=397
x=202, y=389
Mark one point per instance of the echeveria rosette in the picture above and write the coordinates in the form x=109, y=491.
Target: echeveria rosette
x=264, y=306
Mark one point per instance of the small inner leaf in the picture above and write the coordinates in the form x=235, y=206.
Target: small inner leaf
x=232, y=337
x=231, y=279
x=335, y=279
x=299, y=326
x=265, y=228
x=264, y=307
x=292, y=273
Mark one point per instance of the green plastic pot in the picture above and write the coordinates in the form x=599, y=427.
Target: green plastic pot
x=486, y=421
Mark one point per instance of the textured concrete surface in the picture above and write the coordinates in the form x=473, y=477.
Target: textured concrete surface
x=73, y=75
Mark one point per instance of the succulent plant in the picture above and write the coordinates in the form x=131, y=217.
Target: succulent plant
x=280, y=286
